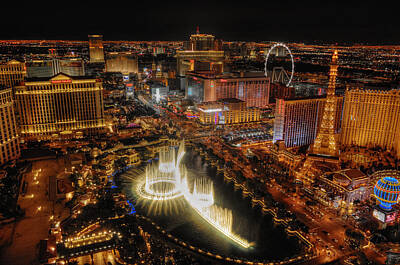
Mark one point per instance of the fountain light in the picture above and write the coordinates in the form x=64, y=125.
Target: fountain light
x=164, y=182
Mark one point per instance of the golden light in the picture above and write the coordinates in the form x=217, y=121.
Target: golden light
x=165, y=182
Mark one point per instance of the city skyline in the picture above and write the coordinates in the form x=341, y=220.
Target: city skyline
x=199, y=150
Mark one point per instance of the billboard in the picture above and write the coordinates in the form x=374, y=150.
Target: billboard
x=390, y=217
x=379, y=215
x=383, y=216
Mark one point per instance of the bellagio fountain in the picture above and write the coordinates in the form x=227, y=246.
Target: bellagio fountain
x=168, y=179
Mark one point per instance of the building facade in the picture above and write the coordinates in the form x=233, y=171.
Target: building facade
x=227, y=111
x=50, y=67
x=199, y=60
x=72, y=66
x=202, y=42
x=12, y=73
x=42, y=68
x=371, y=118
x=9, y=137
x=202, y=53
x=123, y=62
x=252, y=88
x=60, y=106
x=96, y=52
x=342, y=188
x=280, y=91
x=297, y=120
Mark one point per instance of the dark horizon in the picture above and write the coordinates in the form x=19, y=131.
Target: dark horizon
x=299, y=22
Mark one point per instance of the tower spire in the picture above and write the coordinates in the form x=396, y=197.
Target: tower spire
x=197, y=30
x=326, y=142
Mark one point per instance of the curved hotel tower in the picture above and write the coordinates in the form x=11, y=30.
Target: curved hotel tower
x=9, y=138
x=96, y=52
x=12, y=73
x=371, y=118
x=60, y=105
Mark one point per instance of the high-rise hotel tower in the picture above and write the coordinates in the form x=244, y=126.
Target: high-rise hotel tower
x=96, y=52
x=9, y=138
x=12, y=73
x=60, y=105
x=251, y=87
x=297, y=119
x=202, y=53
x=371, y=118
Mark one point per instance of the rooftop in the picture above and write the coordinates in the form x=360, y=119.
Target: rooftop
x=59, y=76
x=353, y=174
x=231, y=75
x=230, y=100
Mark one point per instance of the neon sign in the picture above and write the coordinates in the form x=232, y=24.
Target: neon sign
x=61, y=81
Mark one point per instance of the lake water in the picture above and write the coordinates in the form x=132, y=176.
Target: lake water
x=178, y=218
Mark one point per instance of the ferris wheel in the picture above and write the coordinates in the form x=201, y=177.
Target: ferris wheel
x=276, y=45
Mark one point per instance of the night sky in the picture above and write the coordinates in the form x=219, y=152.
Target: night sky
x=249, y=21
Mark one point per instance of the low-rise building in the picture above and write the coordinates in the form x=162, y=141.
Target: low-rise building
x=342, y=188
x=227, y=111
x=286, y=156
x=132, y=157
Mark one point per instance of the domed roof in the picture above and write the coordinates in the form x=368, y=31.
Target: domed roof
x=387, y=192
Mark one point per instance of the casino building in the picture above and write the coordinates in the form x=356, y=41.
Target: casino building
x=123, y=62
x=96, y=52
x=9, y=137
x=12, y=73
x=371, y=118
x=60, y=106
x=201, y=53
x=50, y=67
x=341, y=189
x=297, y=119
x=250, y=87
x=227, y=111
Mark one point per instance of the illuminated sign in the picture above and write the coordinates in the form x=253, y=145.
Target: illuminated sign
x=241, y=89
x=379, y=215
x=158, y=96
x=221, y=118
x=61, y=81
x=391, y=217
x=210, y=110
x=385, y=217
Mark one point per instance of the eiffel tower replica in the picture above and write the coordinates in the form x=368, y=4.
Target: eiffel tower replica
x=325, y=150
x=326, y=142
